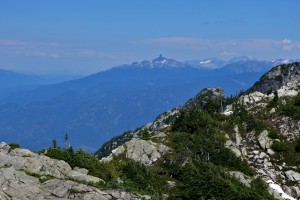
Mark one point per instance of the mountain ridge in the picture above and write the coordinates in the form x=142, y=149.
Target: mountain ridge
x=248, y=144
x=106, y=103
x=261, y=146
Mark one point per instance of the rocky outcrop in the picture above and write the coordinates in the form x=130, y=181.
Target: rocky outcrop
x=287, y=126
x=27, y=175
x=160, y=123
x=143, y=151
x=292, y=175
x=256, y=150
x=277, y=77
x=264, y=141
x=284, y=180
x=278, y=192
x=235, y=144
x=18, y=185
x=259, y=99
x=241, y=177
x=232, y=146
x=120, y=194
x=22, y=159
x=205, y=97
x=255, y=98
x=290, y=89
x=79, y=176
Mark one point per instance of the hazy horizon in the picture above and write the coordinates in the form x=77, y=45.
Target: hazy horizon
x=80, y=38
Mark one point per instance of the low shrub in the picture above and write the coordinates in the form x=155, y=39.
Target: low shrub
x=279, y=146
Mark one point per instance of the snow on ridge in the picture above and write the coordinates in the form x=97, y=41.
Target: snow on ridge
x=164, y=61
x=286, y=61
x=205, y=62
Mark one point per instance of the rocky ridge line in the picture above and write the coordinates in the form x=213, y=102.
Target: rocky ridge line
x=256, y=150
x=27, y=175
x=276, y=78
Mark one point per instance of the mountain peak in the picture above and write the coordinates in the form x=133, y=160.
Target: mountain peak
x=159, y=62
x=241, y=59
x=277, y=77
x=160, y=59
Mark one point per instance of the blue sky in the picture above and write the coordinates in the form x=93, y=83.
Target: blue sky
x=83, y=37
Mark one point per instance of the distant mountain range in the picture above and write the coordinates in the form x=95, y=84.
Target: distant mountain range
x=13, y=82
x=238, y=64
x=95, y=108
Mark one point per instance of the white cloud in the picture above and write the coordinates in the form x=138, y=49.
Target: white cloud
x=257, y=47
x=197, y=42
x=286, y=44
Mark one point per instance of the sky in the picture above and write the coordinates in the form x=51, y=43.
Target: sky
x=67, y=37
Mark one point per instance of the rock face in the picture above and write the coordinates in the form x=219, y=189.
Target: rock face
x=290, y=89
x=241, y=177
x=18, y=185
x=161, y=122
x=204, y=97
x=22, y=159
x=254, y=97
x=79, y=176
x=287, y=126
x=256, y=151
x=22, y=176
x=292, y=175
x=264, y=141
x=120, y=194
x=233, y=145
x=277, y=77
x=145, y=152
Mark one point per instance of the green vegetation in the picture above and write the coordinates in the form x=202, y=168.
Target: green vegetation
x=79, y=158
x=200, y=162
x=279, y=78
x=207, y=181
x=196, y=134
x=5, y=165
x=168, y=118
x=145, y=135
x=297, y=147
x=14, y=145
x=279, y=146
x=198, y=166
x=287, y=152
x=192, y=121
x=142, y=179
x=106, y=148
x=275, y=101
x=246, y=121
x=274, y=134
x=75, y=191
x=42, y=178
x=54, y=143
x=292, y=108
